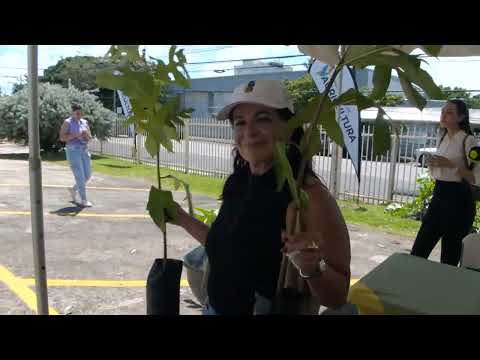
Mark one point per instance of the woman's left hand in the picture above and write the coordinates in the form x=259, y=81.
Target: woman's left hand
x=441, y=162
x=304, y=249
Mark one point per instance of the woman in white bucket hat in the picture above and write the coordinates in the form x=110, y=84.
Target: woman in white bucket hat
x=245, y=243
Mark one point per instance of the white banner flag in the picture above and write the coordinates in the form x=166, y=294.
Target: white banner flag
x=125, y=102
x=127, y=109
x=347, y=116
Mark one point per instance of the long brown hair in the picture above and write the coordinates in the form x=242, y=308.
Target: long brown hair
x=462, y=110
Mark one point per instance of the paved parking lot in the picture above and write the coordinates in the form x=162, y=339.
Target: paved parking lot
x=98, y=258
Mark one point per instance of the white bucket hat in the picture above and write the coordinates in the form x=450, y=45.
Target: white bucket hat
x=271, y=93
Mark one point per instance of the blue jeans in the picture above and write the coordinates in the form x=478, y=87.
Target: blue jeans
x=79, y=159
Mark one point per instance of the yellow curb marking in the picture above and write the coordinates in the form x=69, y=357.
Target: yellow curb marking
x=115, y=216
x=18, y=287
x=88, y=187
x=107, y=283
x=95, y=283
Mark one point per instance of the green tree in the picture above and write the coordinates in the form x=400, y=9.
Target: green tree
x=388, y=99
x=80, y=69
x=82, y=72
x=54, y=106
x=460, y=93
x=302, y=91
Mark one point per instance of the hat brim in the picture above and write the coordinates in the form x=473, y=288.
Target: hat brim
x=225, y=112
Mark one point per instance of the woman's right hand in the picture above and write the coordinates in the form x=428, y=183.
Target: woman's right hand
x=182, y=215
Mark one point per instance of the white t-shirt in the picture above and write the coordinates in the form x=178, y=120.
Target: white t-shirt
x=452, y=149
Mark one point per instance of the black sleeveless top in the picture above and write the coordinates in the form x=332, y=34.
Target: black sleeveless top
x=244, y=243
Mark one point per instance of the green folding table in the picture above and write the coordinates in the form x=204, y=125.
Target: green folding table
x=409, y=285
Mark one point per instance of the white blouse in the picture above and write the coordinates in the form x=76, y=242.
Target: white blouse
x=452, y=149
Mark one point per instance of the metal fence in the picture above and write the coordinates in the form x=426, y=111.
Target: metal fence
x=206, y=144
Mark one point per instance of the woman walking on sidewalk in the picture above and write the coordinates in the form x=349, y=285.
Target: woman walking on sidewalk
x=75, y=132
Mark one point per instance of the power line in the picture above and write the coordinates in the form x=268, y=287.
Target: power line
x=247, y=68
x=18, y=68
x=208, y=50
x=198, y=63
x=248, y=59
x=222, y=70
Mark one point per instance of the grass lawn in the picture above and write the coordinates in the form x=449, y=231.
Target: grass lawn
x=373, y=216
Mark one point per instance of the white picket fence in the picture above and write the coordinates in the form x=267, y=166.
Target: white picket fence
x=206, y=148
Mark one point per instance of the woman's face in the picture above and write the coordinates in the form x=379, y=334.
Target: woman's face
x=77, y=114
x=256, y=129
x=450, y=118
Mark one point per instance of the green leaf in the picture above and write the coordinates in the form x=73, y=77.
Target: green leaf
x=358, y=52
x=306, y=115
x=304, y=200
x=206, y=216
x=113, y=52
x=329, y=123
x=381, y=135
x=314, y=147
x=381, y=81
x=354, y=97
x=410, y=64
x=189, y=198
x=151, y=145
x=180, y=78
x=165, y=138
x=171, y=53
x=425, y=81
x=283, y=170
x=347, y=98
x=187, y=191
x=161, y=207
x=363, y=102
x=131, y=51
x=432, y=50
x=181, y=57
x=135, y=84
x=176, y=184
x=412, y=95
x=395, y=59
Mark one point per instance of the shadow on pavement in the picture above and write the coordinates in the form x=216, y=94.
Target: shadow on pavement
x=68, y=211
x=60, y=156
x=192, y=304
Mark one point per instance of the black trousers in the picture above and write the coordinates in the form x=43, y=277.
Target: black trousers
x=450, y=217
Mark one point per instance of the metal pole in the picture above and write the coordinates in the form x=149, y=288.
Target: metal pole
x=186, y=140
x=393, y=166
x=36, y=202
x=337, y=151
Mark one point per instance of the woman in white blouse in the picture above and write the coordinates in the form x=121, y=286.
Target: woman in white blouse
x=451, y=211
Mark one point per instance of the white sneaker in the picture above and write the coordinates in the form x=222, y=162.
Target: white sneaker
x=73, y=194
x=86, y=203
